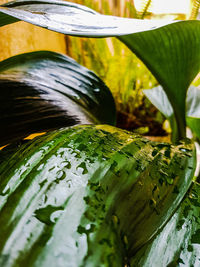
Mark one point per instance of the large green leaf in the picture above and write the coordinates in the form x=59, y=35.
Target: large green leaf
x=72, y=19
x=171, y=52
x=159, y=99
x=178, y=244
x=88, y=196
x=45, y=90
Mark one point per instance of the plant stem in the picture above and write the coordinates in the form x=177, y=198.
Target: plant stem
x=178, y=126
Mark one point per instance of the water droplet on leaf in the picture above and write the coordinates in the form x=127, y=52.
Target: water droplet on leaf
x=5, y=191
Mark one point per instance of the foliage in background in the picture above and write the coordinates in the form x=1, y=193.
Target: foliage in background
x=176, y=42
x=195, y=9
x=134, y=111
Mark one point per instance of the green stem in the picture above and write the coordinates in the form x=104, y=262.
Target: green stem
x=178, y=126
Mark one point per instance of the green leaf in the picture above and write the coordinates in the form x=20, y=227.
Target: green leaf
x=179, y=240
x=193, y=110
x=171, y=52
x=159, y=99
x=45, y=90
x=194, y=124
x=73, y=19
x=88, y=196
x=6, y=19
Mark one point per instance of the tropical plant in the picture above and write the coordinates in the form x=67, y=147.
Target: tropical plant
x=133, y=109
x=95, y=195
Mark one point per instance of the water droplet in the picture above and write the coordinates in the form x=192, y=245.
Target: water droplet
x=60, y=175
x=52, y=168
x=87, y=227
x=68, y=165
x=83, y=167
x=44, y=214
x=44, y=198
x=69, y=183
x=40, y=167
x=5, y=191
x=185, y=149
x=55, y=215
x=42, y=183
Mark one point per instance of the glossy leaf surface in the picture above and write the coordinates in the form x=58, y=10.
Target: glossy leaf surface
x=45, y=90
x=178, y=244
x=73, y=19
x=88, y=196
x=171, y=52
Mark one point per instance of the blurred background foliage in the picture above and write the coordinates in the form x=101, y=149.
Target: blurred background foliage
x=122, y=71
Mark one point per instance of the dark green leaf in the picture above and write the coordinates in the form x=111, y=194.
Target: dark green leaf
x=45, y=90
x=171, y=52
x=179, y=240
x=6, y=19
x=88, y=196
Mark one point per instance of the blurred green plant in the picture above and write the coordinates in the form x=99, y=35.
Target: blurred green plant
x=194, y=9
x=133, y=110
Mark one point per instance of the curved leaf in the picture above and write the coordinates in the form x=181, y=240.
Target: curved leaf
x=193, y=110
x=88, y=196
x=193, y=102
x=194, y=124
x=172, y=52
x=178, y=244
x=159, y=99
x=45, y=90
x=73, y=19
